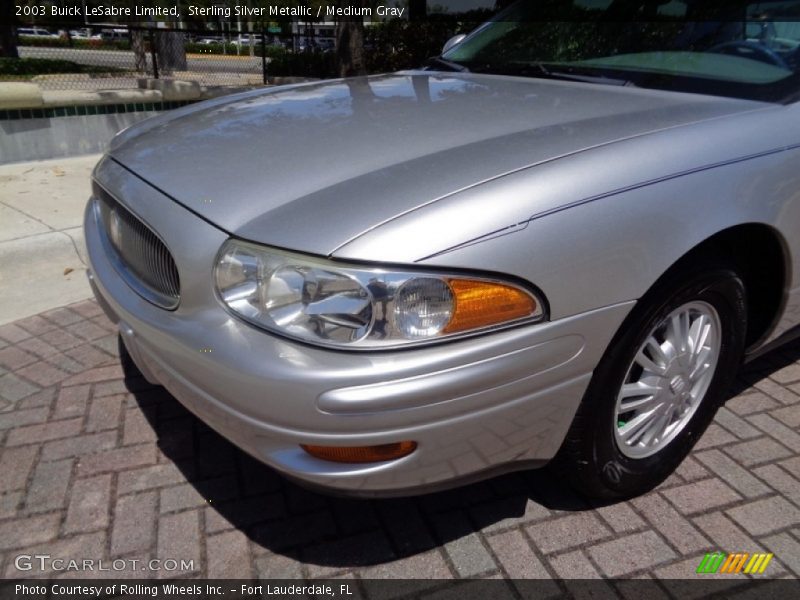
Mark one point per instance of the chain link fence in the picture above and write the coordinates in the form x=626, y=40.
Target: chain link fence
x=115, y=57
x=99, y=58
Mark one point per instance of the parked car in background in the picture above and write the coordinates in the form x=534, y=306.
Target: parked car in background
x=84, y=34
x=318, y=44
x=554, y=244
x=246, y=40
x=118, y=34
x=35, y=32
x=326, y=44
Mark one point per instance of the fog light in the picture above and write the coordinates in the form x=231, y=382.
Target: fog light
x=361, y=454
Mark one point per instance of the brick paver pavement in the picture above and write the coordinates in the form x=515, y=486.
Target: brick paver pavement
x=95, y=466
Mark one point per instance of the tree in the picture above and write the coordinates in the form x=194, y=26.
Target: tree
x=350, y=42
x=8, y=33
x=139, y=50
x=417, y=10
x=171, y=51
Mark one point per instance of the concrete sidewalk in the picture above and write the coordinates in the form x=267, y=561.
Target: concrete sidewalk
x=42, y=259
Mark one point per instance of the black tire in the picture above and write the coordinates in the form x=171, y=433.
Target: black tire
x=590, y=458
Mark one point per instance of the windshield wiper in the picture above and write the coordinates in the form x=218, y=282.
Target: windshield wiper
x=569, y=75
x=546, y=71
x=447, y=64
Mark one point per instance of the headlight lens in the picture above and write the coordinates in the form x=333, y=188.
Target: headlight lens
x=323, y=302
x=423, y=307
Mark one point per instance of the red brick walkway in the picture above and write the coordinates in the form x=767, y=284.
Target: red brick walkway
x=99, y=467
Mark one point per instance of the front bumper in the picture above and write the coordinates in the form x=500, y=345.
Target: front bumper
x=475, y=407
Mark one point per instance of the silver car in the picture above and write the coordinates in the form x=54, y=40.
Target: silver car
x=556, y=243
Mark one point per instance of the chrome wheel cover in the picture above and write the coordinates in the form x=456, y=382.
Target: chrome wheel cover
x=667, y=380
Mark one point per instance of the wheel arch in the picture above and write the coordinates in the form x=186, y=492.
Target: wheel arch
x=760, y=254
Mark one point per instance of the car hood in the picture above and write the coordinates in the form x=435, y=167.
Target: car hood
x=313, y=167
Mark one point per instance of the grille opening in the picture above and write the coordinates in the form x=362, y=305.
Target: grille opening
x=141, y=258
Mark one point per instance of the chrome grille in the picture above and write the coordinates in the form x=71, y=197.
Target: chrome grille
x=142, y=259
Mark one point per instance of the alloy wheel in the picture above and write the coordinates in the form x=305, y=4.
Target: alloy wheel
x=667, y=379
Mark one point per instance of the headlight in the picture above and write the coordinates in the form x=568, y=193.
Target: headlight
x=332, y=304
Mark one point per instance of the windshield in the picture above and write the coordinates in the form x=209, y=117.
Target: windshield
x=720, y=47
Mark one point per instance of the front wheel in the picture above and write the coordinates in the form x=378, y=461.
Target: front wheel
x=659, y=384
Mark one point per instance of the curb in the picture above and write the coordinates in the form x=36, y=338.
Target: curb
x=18, y=95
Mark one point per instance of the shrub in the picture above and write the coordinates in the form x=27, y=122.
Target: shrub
x=303, y=64
x=230, y=49
x=41, y=66
x=194, y=48
x=398, y=44
x=63, y=42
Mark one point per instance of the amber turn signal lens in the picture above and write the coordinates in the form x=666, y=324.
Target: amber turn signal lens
x=361, y=454
x=482, y=304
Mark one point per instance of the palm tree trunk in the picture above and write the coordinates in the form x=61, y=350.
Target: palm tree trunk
x=350, y=44
x=139, y=50
x=8, y=32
